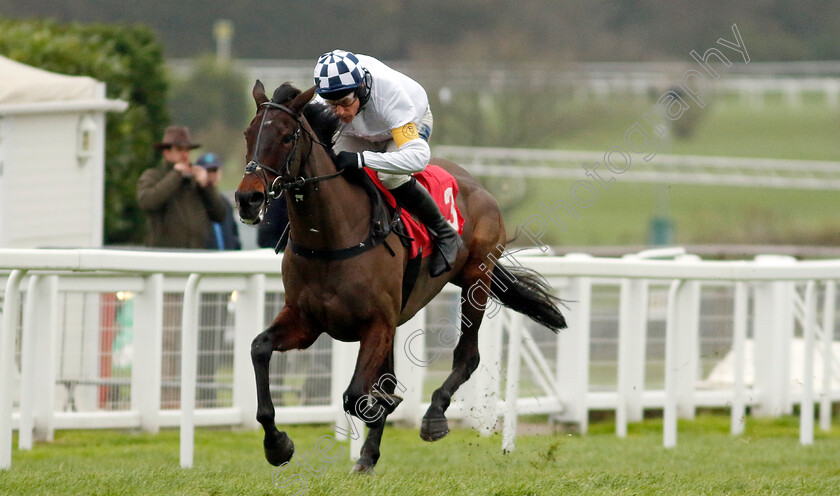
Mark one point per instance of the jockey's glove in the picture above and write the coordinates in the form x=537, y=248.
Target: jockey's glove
x=349, y=160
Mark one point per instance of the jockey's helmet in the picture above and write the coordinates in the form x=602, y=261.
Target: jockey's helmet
x=337, y=73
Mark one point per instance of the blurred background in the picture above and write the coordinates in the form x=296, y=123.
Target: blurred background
x=546, y=75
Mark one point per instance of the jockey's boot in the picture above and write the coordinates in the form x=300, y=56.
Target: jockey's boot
x=419, y=202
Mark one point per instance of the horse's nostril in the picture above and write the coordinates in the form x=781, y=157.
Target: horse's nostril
x=249, y=202
x=256, y=200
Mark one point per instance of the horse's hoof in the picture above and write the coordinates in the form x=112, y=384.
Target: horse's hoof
x=432, y=429
x=362, y=469
x=278, y=450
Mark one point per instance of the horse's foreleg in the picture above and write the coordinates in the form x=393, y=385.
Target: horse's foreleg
x=285, y=333
x=278, y=446
x=464, y=362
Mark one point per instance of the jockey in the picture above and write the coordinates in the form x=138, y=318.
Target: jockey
x=386, y=123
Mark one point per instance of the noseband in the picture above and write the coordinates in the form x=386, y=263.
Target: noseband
x=281, y=178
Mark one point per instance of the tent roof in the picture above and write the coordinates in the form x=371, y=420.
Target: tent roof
x=21, y=83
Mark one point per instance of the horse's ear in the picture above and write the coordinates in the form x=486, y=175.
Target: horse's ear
x=259, y=93
x=301, y=100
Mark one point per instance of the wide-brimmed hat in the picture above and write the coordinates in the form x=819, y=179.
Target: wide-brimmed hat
x=176, y=136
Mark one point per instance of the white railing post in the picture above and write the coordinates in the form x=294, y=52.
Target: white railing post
x=343, y=360
x=573, y=350
x=806, y=408
x=189, y=361
x=514, y=364
x=773, y=335
x=672, y=365
x=249, y=321
x=47, y=340
x=28, y=358
x=11, y=301
x=632, y=340
x=739, y=337
x=827, y=356
x=148, y=346
x=688, y=343
x=410, y=352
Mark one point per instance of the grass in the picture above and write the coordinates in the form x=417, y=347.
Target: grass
x=700, y=214
x=727, y=127
x=767, y=459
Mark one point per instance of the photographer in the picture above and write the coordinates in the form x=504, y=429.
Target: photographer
x=179, y=199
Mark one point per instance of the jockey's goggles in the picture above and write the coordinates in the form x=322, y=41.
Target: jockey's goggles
x=342, y=102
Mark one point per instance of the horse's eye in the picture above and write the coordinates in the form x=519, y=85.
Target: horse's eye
x=286, y=139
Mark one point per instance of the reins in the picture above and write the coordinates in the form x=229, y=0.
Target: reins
x=278, y=185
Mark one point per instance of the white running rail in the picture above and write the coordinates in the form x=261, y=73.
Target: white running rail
x=657, y=301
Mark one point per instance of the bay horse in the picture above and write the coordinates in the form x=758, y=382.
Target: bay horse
x=340, y=282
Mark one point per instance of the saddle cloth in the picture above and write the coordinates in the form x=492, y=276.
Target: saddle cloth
x=444, y=190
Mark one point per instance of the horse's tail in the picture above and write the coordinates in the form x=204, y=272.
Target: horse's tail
x=525, y=291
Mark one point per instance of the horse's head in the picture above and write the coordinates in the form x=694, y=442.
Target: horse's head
x=271, y=139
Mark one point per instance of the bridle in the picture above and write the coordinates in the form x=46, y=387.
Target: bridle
x=281, y=178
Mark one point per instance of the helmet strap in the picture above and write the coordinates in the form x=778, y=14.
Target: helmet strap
x=363, y=90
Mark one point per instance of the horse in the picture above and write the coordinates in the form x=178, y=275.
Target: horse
x=341, y=282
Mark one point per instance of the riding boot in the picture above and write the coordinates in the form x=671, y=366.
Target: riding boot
x=420, y=203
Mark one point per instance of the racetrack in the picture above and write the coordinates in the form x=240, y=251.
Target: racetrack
x=766, y=459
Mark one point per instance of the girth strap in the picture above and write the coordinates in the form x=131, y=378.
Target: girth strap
x=341, y=254
x=383, y=222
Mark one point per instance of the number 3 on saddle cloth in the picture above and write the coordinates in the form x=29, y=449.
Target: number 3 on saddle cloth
x=444, y=189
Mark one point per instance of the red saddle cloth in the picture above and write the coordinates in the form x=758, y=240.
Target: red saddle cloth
x=444, y=190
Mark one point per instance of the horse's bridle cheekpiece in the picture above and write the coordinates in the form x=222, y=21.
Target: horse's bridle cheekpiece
x=281, y=179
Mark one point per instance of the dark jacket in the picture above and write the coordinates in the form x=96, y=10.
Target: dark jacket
x=178, y=210
x=228, y=231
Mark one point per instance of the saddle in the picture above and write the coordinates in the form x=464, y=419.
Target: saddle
x=443, y=189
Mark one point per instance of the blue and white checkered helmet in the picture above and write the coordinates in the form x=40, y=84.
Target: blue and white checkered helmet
x=336, y=71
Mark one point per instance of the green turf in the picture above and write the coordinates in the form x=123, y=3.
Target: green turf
x=767, y=459
x=623, y=214
x=726, y=127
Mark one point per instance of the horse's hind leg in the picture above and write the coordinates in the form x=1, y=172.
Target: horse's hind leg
x=287, y=332
x=464, y=361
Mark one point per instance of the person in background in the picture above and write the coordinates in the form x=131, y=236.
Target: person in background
x=178, y=198
x=222, y=235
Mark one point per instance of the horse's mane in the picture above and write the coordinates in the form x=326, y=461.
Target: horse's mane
x=323, y=121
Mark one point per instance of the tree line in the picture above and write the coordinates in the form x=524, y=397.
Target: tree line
x=490, y=30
